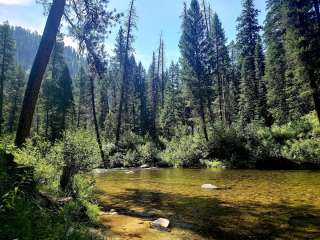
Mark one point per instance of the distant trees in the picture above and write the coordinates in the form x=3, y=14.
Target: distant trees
x=57, y=94
x=258, y=79
x=247, y=37
x=193, y=50
x=303, y=25
x=125, y=53
x=15, y=93
x=27, y=43
x=7, y=64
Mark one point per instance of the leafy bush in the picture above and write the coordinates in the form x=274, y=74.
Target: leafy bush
x=133, y=151
x=297, y=141
x=81, y=148
x=186, y=151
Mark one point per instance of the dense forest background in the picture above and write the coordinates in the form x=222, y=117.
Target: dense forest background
x=246, y=102
x=249, y=102
x=26, y=46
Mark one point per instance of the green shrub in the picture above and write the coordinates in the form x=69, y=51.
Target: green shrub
x=81, y=149
x=185, y=151
x=133, y=151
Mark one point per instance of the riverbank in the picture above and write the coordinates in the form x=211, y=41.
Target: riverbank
x=295, y=145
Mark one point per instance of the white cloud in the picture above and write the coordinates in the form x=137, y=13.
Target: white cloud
x=16, y=2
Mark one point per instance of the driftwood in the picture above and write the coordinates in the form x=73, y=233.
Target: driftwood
x=52, y=202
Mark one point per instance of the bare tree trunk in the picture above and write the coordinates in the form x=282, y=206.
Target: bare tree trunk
x=124, y=72
x=154, y=97
x=162, y=74
x=37, y=71
x=205, y=16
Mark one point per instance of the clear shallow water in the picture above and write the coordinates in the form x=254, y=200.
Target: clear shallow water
x=250, y=205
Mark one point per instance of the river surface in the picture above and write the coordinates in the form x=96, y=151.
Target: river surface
x=250, y=204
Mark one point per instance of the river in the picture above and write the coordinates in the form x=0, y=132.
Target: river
x=250, y=204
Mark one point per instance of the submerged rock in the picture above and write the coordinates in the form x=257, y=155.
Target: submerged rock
x=161, y=224
x=129, y=172
x=209, y=187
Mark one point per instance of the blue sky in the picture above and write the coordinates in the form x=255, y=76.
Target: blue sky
x=154, y=17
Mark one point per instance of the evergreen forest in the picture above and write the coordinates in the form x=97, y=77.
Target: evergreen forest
x=250, y=103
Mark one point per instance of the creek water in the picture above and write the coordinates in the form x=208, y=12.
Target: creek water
x=250, y=204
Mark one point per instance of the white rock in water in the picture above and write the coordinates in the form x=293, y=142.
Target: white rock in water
x=129, y=172
x=209, y=187
x=144, y=166
x=161, y=224
x=99, y=171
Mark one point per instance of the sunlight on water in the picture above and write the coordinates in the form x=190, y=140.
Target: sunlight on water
x=249, y=205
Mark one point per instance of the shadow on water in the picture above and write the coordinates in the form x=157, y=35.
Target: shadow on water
x=215, y=219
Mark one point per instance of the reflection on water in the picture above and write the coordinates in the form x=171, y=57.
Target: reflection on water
x=250, y=205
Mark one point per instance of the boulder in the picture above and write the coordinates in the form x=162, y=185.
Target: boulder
x=99, y=171
x=111, y=212
x=161, y=224
x=144, y=166
x=209, y=187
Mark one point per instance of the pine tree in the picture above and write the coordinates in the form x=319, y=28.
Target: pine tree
x=221, y=66
x=154, y=96
x=248, y=33
x=7, y=64
x=142, y=95
x=130, y=25
x=103, y=101
x=66, y=101
x=234, y=82
x=172, y=114
x=304, y=24
x=193, y=47
x=83, y=101
x=275, y=61
x=57, y=93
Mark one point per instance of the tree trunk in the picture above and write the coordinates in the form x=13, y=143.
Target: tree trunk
x=96, y=126
x=162, y=75
x=202, y=112
x=124, y=73
x=119, y=117
x=37, y=71
x=203, y=119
